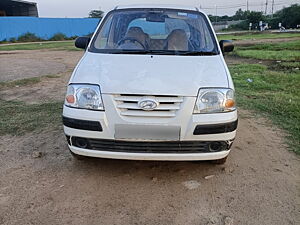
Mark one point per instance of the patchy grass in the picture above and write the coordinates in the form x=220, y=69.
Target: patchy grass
x=284, y=55
x=26, y=81
x=275, y=94
x=288, y=67
x=289, y=45
x=67, y=46
x=17, y=118
x=256, y=35
x=53, y=76
x=23, y=82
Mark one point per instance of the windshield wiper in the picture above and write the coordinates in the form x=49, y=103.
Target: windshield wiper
x=197, y=53
x=139, y=52
x=144, y=52
x=162, y=52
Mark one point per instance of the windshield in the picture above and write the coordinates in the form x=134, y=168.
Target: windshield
x=155, y=31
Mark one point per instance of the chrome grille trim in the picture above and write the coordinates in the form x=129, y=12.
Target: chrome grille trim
x=128, y=106
x=137, y=98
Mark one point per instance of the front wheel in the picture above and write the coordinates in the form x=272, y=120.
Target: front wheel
x=219, y=161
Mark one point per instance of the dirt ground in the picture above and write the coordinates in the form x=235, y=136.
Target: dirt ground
x=16, y=65
x=40, y=183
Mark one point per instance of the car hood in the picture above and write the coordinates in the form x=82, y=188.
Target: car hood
x=151, y=75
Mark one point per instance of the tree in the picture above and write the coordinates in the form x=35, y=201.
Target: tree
x=247, y=17
x=255, y=17
x=289, y=17
x=96, y=14
x=241, y=15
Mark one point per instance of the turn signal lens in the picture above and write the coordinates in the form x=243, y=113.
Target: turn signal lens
x=229, y=103
x=70, y=99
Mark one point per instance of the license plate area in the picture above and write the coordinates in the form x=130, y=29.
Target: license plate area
x=147, y=132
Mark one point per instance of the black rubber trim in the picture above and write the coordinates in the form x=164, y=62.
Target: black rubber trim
x=82, y=124
x=68, y=139
x=149, y=147
x=216, y=128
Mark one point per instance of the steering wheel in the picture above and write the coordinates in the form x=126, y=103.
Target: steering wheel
x=131, y=39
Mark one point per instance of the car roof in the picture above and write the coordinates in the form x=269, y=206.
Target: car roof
x=157, y=6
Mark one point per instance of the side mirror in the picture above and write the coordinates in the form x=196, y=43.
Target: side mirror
x=226, y=46
x=82, y=42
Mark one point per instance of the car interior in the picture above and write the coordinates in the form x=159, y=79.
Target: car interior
x=177, y=40
x=136, y=38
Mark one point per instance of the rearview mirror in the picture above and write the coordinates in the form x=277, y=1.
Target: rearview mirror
x=156, y=17
x=226, y=46
x=82, y=42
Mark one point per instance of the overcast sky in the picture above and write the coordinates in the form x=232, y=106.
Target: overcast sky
x=81, y=8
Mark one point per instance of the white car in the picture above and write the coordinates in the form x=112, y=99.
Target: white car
x=152, y=85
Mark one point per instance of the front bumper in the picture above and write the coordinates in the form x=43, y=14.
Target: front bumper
x=189, y=127
x=150, y=156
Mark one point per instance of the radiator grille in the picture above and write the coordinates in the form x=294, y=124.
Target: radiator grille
x=128, y=105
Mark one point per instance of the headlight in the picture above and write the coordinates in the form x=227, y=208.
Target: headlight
x=84, y=96
x=211, y=100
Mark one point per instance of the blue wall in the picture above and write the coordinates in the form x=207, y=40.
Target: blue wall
x=13, y=27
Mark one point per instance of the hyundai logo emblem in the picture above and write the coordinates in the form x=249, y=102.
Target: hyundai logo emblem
x=148, y=104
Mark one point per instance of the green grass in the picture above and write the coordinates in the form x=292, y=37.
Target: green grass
x=275, y=94
x=284, y=51
x=18, y=118
x=257, y=35
x=284, y=55
x=67, y=46
x=288, y=45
